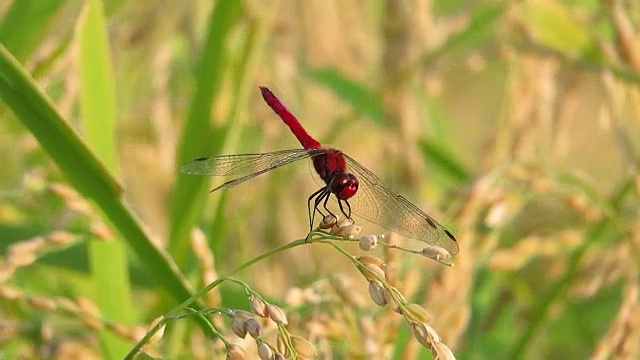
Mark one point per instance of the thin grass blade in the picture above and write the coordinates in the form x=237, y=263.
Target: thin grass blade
x=108, y=260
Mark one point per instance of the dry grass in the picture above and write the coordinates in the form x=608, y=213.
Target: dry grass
x=515, y=124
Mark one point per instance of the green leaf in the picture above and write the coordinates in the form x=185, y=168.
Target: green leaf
x=55, y=135
x=199, y=138
x=108, y=260
x=363, y=100
x=476, y=31
x=31, y=18
x=443, y=162
x=552, y=24
x=83, y=169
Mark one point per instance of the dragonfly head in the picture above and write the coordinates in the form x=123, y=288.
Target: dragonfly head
x=343, y=185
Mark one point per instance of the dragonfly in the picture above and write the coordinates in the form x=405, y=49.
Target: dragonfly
x=355, y=188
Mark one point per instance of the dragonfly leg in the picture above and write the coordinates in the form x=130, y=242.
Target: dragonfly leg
x=316, y=197
x=327, y=195
x=347, y=214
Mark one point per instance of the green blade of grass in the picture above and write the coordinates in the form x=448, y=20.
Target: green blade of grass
x=31, y=18
x=248, y=64
x=477, y=30
x=199, y=138
x=443, y=162
x=108, y=260
x=553, y=24
x=83, y=170
x=58, y=139
x=361, y=98
x=597, y=232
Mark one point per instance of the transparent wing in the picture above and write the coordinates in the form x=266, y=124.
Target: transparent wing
x=377, y=203
x=247, y=166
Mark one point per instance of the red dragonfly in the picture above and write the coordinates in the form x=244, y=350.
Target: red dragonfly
x=353, y=186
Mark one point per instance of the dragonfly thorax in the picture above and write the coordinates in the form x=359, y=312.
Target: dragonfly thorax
x=344, y=185
x=328, y=162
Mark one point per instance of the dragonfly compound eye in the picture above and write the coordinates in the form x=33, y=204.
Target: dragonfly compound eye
x=344, y=185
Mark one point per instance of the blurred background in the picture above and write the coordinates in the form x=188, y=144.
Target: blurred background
x=514, y=123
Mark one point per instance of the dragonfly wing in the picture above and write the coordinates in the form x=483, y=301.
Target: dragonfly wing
x=243, y=164
x=377, y=203
x=247, y=166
